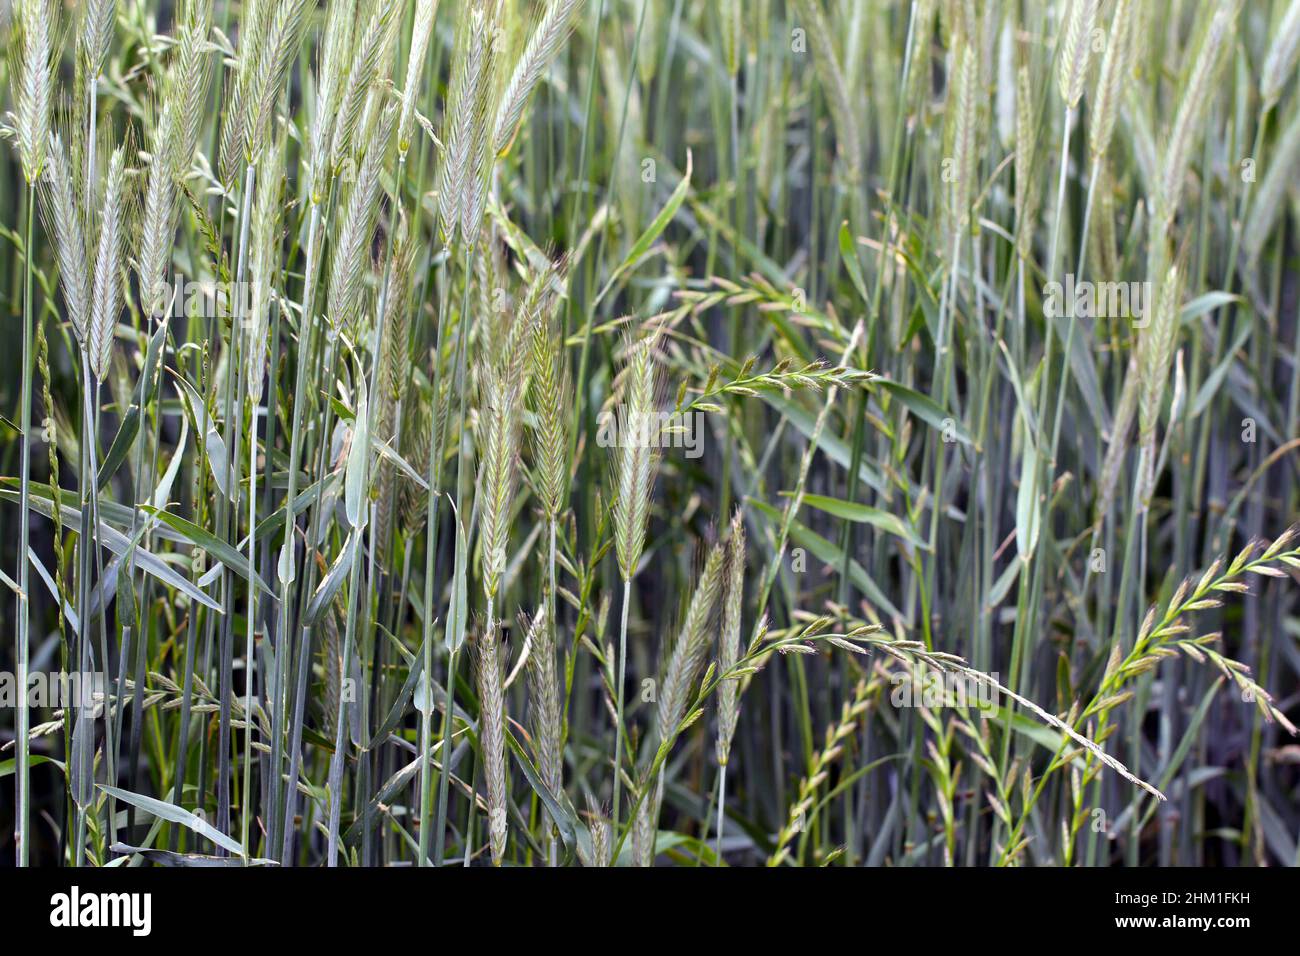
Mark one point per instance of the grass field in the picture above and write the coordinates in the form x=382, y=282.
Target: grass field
x=635, y=432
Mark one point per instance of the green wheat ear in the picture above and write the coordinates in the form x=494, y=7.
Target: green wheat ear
x=32, y=60
x=500, y=418
x=548, y=387
x=1075, y=51
x=492, y=737
x=636, y=456
x=733, y=597
x=110, y=255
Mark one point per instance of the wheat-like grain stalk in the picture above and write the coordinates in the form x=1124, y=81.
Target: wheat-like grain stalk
x=1027, y=182
x=680, y=672
x=478, y=154
x=962, y=100
x=265, y=232
x=917, y=90
x=635, y=466
x=643, y=828
x=500, y=419
x=63, y=220
x=544, y=43
x=234, y=125
x=364, y=70
x=729, y=16
x=1103, y=248
x=544, y=697
x=733, y=595
x=106, y=297
x=381, y=89
x=456, y=132
x=598, y=827
x=413, y=501
x=495, y=304
x=1155, y=354
x=175, y=141
x=187, y=83
x=688, y=652
x=158, y=225
x=1111, y=82
x=548, y=386
x=264, y=57
x=332, y=57
x=636, y=458
x=274, y=57
x=1117, y=445
x=351, y=251
x=1280, y=62
x=426, y=11
x=397, y=321
x=394, y=378
x=96, y=36
x=462, y=122
x=1075, y=51
x=1184, y=133
x=31, y=66
x=492, y=715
